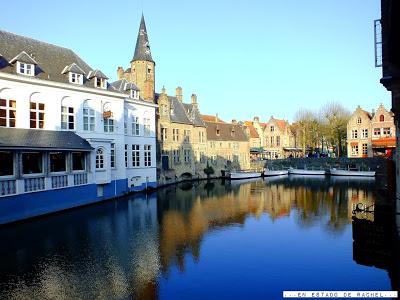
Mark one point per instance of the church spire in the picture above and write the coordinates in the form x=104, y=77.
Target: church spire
x=142, y=50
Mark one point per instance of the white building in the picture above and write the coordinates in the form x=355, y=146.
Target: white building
x=67, y=136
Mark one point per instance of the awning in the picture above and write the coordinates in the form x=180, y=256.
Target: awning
x=384, y=143
x=256, y=150
x=292, y=149
x=37, y=139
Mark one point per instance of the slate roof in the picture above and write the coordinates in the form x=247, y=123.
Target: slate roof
x=124, y=86
x=183, y=113
x=142, y=49
x=225, y=132
x=51, y=59
x=17, y=138
x=24, y=58
x=74, y=68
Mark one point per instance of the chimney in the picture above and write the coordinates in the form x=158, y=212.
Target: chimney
x=163, y=90
x=216, y=117
x=256, y=119
x=179, y=95
x=194, y=101
x=234, y=121
x=120, y=73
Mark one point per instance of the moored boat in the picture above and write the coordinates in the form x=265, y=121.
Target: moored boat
x=338, y=172
x=244, y=175
x=269, y=172
x=306, y=172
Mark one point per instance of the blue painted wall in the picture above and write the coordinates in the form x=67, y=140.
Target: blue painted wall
x=23, y=206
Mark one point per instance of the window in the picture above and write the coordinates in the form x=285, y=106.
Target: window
x=100, y=82
x=201, y=137
x=381, y=118
x=108, y=125
x=365, y=133
x=387, y=131
x=354, y=150
x=186, y=155
x=126, y=155
x=57, y=162
x=278, y=141
x=135, y=156
x=7, y=164
x=100, y=158
x=358, y=120
x=364, y=149
x=8, y=113
x=218, y=132
x=272, y=128
x=125, y=121
x=354, y=134
x=186, y=136
x=146, y=123
x=135, y=126
x=25, y=69
x=88, y=118
x=164, y=135
x=78, y=161
x=176, y=156
x=36, y=115
x=67, y=118
x=377, y=131
x=235, y=146
x=147, y=155
x=175, y=135
x=75, y=78
x=112, y=155
x=272, y=141
x=134, y=94
x=203, y=157
x=32, y=163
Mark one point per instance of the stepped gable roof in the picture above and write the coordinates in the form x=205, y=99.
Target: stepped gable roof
x=17, y=138
x=183, y=113
x=51, y=60
x=253, y=132
x=142, y=49
x=225, y=132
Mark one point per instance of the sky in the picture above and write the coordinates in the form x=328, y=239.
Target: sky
x=242, y=58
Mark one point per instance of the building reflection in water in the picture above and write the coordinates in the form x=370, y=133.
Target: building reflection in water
x=121, y=249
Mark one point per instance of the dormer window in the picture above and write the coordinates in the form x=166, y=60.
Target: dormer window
x=218, y=132
x=134, y=94
x=25, y=69
x=75, y=78
x=100, y=82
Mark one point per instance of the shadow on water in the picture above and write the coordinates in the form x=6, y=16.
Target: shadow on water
x=134, y=247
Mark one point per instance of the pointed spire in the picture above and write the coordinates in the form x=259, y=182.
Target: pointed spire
x=142, y=50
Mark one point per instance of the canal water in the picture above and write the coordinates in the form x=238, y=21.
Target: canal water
x=216, y=240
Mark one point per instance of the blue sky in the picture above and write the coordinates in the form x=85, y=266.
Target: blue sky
x=242, y=58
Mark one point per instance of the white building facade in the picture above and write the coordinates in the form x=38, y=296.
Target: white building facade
x=68, y=136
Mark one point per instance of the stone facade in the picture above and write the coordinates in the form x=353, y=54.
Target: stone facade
x=279, y=139
x=371, y=134
x=228, y=146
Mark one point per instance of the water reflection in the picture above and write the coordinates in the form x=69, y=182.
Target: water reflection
x=132, y=247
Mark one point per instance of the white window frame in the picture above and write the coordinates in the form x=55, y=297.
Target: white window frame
x=365, y=149
x=135, y=126
x=354, y=134
x=134, y=94
x=113, y=156
x=135, y=156
x=365, y=133
x=100, y=83
x=75, y=78
x=37, y=111
x=147, y=156
x=146, y=127
x=109, y=125
x=89, y=113
x=100, y=159
x=8, y=109
x=65, y=113
x=25, y=69
x=126, y=155
x=164, y=133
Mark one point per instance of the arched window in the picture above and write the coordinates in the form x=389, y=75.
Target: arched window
x=88, y=117
x=381, y=118
x=67, y=115
x=100, y=158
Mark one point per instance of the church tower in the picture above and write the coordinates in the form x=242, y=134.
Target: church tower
x=143, y=65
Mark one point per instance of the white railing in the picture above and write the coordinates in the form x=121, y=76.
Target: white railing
x=34, y=184
x=59, y=181
x=80, y=179
x=8, y=187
